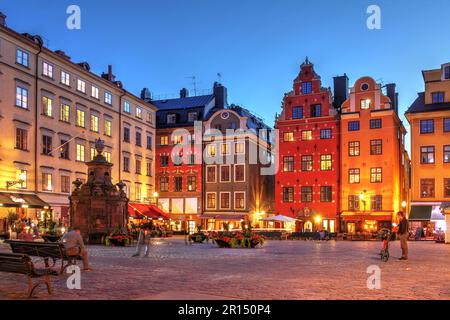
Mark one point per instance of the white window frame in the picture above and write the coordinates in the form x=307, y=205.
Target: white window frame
x=215, y=174
x=138, y=112
x=108, y=98
x=126, y=106
x=49, y=175
x=47, y=107
x=47, y=69
x=24, y=53
x=234, y=200
x=208, y=149
x=206, y=198
x=97, y=129
x=229, y=167
x=110, y=127
x=220, y=200
x=228, y=149
x=82, y=147
x=65, y=78
x=234, y=173
x=24, y=97
x=235, y=147
x=79, y=112
x=95, y=91
x=81, y=85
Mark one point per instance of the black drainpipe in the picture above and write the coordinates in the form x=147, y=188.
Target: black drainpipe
x=36, y=114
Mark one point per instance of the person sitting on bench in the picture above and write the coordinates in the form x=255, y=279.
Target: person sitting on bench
x=74, y=245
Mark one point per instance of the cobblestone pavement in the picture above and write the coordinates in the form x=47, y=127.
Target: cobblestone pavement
x=279, y=270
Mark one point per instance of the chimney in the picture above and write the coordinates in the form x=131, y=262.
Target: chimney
x=340, y=90
x=109, y=76
x=390, y=92
x=220, y=95
x=146, y=95
x=184, y=93
x=2, y=19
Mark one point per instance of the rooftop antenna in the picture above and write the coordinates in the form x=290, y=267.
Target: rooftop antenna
x=219, y=77
x=194, y=83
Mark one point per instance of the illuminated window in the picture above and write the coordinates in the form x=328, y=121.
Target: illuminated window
x=376, y=175
x=80, y=118
x=211, y=150
x=225, y=148
x=108, y=125
x=94, y=123
x=21, y=139
x=47, y=106
x=64, y=149
x=22, y=57
x=107, y=155
x=427, y=155
x=126, y=107
x=138, y=113
x=47, y=182
x=164, y=140
x=240, y=147
x=365, y=104
x=21, y=177
x=21, y=97
x=108, y=97
x=164, y=184
x=47, y=69
x=288, y=164
x=353, y=148
x=307, y=163
x=325, y=162
x=80, y=153
x=211, y=200
x=307, y=135
x=191, y=183
x=138, y=191
x=353, y=175
x=177, y=139
x=81, y=85
x=65, y=112
x=94, y=153
x=65, y=78
x=447, y=187
x=288, y=136
x=239, y=200
x=447, y=154
x=94, y=92
x=288, y=194
x=427, y=188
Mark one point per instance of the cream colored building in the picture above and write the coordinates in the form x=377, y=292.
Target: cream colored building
x=51, y=111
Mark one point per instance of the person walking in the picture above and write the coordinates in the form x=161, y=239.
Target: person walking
x=74, y=245
x=143, y=241
x=403, y=234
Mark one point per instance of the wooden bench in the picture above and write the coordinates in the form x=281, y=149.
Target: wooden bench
x=22, y=264
x=45, y=250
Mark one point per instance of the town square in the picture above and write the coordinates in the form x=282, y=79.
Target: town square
x=211, y=165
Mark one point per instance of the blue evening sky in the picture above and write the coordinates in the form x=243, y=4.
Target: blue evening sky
x=257, y=46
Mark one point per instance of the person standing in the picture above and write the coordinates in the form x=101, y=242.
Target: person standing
x=403, y=234
x=74, y=245
x=143, y=241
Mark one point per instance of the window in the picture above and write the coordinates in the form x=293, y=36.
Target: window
x=288, y=194
x=192, y=116
x=353, y=203
x=325, y=162
x=126, y=107
x=306, y=135
x=21, y=97
x=64, y=150
x=427, y=155
x=47, y=182
x=447, y=154
x=297, y=112
x=164, y=184
x=211, y=150
x=150, y=117
x=108, y=125
x=225, y=200
x=93, y=153
x=426, y=126
x=353, y=126
x=164, y=161
x=148, y=168
x=177, y=139
x=107, y=156
x=375, y=124
x=225, y=174
x=94, y=92
x=65, y=184
x=211, y=174
x=171, y=118
x=427, y=188
x=326, y=194
x=210, y=200
x=288, y=164
x=353, y=148
x=353, y=175
x=22, y=57
x=191, y=183
x=446, y=125
x=376, y=175
x=239, y=200
x=307, y=194
x=108, y=97
x=149, y=142
x=138, y=113
x=80, y=153
x=94, y=123
x=376, y=203
x=47, y=69
x=126, y=134
x=325, y=134
x=316, y=110
x=47, y=145
x=138, y=191
x=81, y=85
x=239, y=173
x=288, y=136
x=126, y=164
x=376, y=147
x=447, y=187
x=438, y=97
x=306, y=87
x=138, y=164
x=138, y=139
x=365, y=104
x=240, y=147
x=80, y=118
x=164, y=140
x=47, y=106
x=65, y=78
x=21, y=139
x=225, y=149
x=447, y=72
x=64, y=112
x=21, y=177
x=307, y=163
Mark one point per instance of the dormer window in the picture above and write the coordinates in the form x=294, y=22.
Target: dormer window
x=447, y=73
x=365, y=104
x=192, y=116
x=171, y=118
x=437, y=97
x=306, y=87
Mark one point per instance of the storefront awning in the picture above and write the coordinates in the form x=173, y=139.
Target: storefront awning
x=223, y=216
x=21, y=200
x=140, y=210
x=349, y=216
x=420, y=213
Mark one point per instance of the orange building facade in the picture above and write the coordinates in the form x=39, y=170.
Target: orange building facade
x=373, y=158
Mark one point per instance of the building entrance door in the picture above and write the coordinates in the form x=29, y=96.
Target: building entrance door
x=351, y=227
x=191, y=226
x=308, y=226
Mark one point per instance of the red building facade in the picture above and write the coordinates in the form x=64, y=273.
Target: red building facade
x=307, y=181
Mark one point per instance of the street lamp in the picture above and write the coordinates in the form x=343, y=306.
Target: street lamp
x=404, y=204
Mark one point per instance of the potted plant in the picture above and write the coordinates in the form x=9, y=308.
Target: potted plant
x=199, y=236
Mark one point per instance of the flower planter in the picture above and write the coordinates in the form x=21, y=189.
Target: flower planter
x=198, y=237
